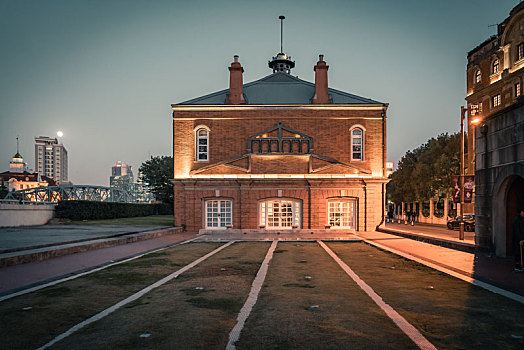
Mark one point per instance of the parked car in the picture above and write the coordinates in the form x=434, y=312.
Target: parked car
x=469, y=223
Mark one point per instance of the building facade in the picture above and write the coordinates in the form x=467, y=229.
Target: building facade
x=279, y=153
x=51, y=159
x=496, y=145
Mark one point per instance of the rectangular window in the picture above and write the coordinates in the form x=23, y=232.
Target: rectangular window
x=519, y=54
x=517, y=90
x=495, y=100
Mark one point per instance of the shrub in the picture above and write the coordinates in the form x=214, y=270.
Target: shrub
x=88, y=210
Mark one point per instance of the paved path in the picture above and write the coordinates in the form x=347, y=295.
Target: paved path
x=479, y=265
x=20, y=276
x=437, y=231
x=31, y=236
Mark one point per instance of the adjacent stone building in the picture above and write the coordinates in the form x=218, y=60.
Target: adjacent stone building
x=279, y=153
x=496, y=146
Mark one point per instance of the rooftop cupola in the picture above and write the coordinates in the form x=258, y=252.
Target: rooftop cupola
x=281, y=62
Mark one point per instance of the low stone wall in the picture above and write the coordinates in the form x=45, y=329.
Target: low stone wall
x=13, y=215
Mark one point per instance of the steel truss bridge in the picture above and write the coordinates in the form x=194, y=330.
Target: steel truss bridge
x=53, y=194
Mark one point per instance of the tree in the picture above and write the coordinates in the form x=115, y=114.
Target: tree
x=157, y=172
x=425, y=172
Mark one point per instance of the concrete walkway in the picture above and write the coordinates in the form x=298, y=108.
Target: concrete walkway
x=435, y=234
x=478, y=265
x=32, y=237
x=18, y=277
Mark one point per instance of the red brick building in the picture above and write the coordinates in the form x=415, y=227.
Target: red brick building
x=279, y=153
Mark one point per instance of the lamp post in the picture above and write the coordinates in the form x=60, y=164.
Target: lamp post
x=461, y=177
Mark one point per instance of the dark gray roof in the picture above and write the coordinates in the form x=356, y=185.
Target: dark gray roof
x=279, y=88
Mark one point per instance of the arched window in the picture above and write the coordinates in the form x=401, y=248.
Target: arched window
x=495, y=66
x=357, y=144
x=202, y=144
x=477, y=78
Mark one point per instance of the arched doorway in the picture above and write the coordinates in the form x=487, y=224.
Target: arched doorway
x=514, y=201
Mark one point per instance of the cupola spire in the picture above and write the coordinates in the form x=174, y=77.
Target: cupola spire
x=281, y=62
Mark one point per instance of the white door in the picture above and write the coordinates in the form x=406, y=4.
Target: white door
x=341, y=213
x=219, y=214
x=280, y=214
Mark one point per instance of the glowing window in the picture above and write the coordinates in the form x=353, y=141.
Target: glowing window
x=478, y=77
x=519, y=54
x=495, y=100
x=518, y=91
x=357, y=144
x=495, y=67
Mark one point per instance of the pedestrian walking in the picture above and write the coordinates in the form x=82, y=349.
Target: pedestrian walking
x=518, y=239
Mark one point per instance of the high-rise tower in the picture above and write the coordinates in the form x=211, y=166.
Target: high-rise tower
x=51, y=158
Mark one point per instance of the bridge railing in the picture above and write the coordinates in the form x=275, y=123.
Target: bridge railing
x=53, y=194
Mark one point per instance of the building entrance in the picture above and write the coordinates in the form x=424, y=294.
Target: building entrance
x=514, y=201
x=280, y=214
x=218, y=214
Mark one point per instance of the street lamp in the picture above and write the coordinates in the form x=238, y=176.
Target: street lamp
x=474, y=121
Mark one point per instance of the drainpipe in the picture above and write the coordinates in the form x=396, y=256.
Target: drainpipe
x=308, y=205
x=383, y=165
x=365, y=205
x=239, y=205
x=383, y=203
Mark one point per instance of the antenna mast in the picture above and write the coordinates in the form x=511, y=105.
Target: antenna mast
x=17, y=145
x=281, y=33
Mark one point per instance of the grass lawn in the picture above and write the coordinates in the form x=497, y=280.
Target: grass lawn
x=57, y=308
x=306, y=302
x=450, y=313
x=195, y=311
x=325, y=311
x=156, y=220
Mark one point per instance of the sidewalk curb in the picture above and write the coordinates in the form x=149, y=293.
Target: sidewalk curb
x=94, y=244
x=462, y=246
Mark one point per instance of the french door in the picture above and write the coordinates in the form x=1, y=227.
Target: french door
x=218, y=214
x=280, y=214
x=341, y=213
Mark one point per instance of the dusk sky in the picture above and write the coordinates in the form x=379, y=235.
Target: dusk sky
x=105, y=72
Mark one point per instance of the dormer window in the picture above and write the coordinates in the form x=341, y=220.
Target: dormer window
x=495, y=67
x=477, y=78
x=202, y=144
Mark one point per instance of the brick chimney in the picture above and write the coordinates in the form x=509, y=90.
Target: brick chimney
x=321, y=82
x=235, y=95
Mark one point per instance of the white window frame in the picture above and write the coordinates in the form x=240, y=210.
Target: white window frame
x=197, y=143
x=363, y=139
x=263, y=213
x=332, y=213
x=224, y=218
